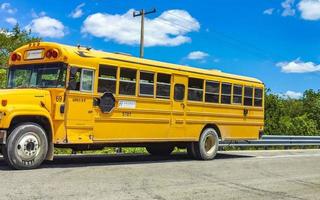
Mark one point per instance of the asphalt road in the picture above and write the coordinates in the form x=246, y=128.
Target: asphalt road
x=233, y=175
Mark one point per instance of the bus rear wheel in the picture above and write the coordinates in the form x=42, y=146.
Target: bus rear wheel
x=160, y=149
x=26, y=147
x=207, y=147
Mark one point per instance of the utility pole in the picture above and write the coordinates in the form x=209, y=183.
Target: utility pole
x=142, y=13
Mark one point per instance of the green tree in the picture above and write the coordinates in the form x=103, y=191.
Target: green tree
x=9, y=41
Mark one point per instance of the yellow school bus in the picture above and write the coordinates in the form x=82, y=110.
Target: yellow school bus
x=79, y=98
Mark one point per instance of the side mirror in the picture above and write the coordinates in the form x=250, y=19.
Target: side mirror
x=72, y=85
x=73, y=71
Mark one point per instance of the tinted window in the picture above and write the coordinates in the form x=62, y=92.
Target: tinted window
x=195, y=91
x=127, y=81
x=75, y=77
x=107, y=79
x=248, y=96
x=87, y=80
x=212, y=91
x=146, y=84
x=226, y=93
x=179, y=92
x=163, y=86
x=237, y=94
x=258, y=97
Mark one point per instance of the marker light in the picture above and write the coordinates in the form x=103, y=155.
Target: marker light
x=54, y=53
x=49, y=53
x=14, y=57
x=4, y=102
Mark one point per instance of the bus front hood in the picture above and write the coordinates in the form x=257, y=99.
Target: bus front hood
x=24, y=100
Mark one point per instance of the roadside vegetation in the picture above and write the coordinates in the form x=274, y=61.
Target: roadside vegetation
x=283, y=116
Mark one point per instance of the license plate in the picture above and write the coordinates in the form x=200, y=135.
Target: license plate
x=34, y=54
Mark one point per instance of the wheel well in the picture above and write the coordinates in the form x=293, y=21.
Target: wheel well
x=215, y=127
x=40, y=120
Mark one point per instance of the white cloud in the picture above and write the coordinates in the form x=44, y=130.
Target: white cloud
x=47, y=27
x=197, y=55
x=310, y=9
x=293, y=95
x=12, y=21
x=77, y=12
x=169, y=29
x=36, y=15
x=287, y=5
x=7, y=8
x=268, y=11
x=298, y=66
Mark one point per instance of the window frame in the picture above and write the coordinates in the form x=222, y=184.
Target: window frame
x=184, y=92
x=223, y=94
x=196, y=89
x=254, y=99
x=108, y=79
x=92, y=81
x=128, y=81
x=212, y=93
x=237, y=95
x=153, y=84
x=162, y=83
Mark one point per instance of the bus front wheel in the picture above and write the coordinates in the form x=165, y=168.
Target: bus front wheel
x=207, y=147
x=160, y=150
x=26, y=147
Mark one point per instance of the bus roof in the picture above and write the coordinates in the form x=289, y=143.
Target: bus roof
x=72, y=51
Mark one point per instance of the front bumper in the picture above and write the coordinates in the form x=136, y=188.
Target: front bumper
x=3, y=136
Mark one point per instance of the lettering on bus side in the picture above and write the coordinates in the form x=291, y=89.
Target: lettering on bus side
x=80, y=100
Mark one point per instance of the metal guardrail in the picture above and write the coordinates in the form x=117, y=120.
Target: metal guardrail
x=275, y=140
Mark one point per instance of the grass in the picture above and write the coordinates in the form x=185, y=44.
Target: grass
x=109, y=150
x=142, y=150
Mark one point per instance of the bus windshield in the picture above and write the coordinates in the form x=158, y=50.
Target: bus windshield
x=51, y=75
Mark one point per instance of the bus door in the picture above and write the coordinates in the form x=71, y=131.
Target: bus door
x=79, y=120
x=178, y=117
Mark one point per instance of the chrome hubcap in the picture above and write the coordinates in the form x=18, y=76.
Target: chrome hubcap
x=28, y=147
x=209, y=144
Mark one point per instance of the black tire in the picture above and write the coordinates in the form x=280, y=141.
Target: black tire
x=26, y=147
x=160, y=149
x=207, y=147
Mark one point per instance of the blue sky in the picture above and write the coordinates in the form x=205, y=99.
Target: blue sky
x=277, y=41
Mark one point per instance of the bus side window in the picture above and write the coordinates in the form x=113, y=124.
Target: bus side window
x=75, y=78
x=248, y=96
x=107, y=79
x=163, y=86
x=146, y=84
x=226, y=93
x=86, y=84
x=212, y=91
x=195, y=89
x=258, y=97
x=179, y=92
x=128, y=79
x=237, y=94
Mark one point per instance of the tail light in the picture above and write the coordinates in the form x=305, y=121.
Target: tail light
x=52, y=53
x=49, y=53
x=14, y=57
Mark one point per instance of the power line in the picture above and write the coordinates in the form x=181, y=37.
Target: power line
x=229, y=38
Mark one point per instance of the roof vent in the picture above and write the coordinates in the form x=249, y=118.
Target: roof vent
x=85, y=47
